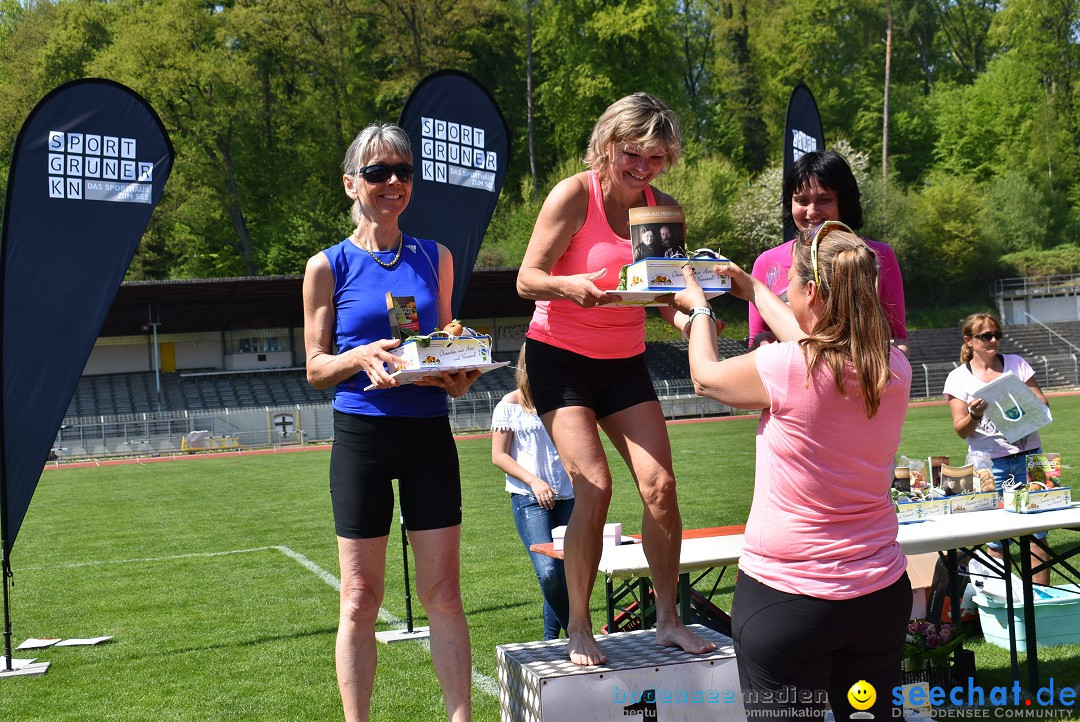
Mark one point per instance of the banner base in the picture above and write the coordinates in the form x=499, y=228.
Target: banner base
x=402, y=635
x=22, y=668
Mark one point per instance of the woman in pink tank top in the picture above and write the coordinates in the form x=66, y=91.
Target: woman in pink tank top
x=587, y=359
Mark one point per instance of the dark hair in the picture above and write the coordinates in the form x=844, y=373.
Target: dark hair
x=832, y=171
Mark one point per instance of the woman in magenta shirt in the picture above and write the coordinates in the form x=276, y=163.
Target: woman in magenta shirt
x=822, y=599
x=820, y=187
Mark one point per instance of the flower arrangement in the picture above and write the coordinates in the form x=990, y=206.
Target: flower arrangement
x=927, y=641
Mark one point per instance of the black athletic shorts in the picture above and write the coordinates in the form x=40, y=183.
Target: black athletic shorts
x=369, y=451
x=559, y=378
x=794, y=650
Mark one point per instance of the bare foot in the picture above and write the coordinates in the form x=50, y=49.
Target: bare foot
x=584, y=651
x=677, y=635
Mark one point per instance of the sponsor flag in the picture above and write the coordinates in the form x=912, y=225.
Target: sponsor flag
x=460, y=146
x=802, y=133
x=87, y=168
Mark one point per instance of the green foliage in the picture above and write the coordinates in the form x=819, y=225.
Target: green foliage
x=261, y=97
x=1060, y=260
x=590, y=55
x=1017, y=214
x=704, y=190
x=948, y=248
x=985, y=128
x=515, y=215
x=756, y=217
x=933, y=313
x=911, y=137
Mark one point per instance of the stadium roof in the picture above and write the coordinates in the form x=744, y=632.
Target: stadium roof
x=215, y=304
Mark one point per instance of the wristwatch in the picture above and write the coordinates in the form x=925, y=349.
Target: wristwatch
x=694, y=312
x=699, y=311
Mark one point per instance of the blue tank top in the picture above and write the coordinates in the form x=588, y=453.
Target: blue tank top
x=360, y=286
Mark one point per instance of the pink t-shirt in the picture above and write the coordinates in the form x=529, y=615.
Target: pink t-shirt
x=772, y=266
x=822, y=522
x=601, y=332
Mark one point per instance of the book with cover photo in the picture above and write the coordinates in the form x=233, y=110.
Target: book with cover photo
x=404, y=317
x=657, y=232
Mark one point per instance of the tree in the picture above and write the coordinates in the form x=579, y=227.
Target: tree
x=949, y=249
x=985, y=128
x=592, y=54
x=965, y=25
x=1017, y=215
x=744, y=94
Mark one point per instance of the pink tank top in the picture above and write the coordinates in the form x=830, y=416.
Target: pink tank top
x=602, y=332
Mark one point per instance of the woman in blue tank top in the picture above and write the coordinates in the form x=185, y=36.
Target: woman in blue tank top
x=378, y=432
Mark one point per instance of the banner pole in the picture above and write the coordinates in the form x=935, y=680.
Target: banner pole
x=5, y=572
x=410, y=632
x=405, y=561
x=5, y=526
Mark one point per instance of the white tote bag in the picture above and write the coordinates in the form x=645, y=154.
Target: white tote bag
x=1013, y=407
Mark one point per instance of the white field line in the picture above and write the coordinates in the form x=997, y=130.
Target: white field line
x=483, y=682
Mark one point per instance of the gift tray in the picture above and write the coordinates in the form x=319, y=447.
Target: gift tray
x=651, y=298
x=407, y=376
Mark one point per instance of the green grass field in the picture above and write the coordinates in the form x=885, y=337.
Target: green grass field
x=216, y=578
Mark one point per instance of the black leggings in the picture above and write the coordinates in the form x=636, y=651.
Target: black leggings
x=370, y=451
x=793, y=650
x=559, y=378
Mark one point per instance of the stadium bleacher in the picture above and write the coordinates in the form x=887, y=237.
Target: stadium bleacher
x=933, y=353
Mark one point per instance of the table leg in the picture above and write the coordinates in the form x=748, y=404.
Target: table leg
x=1029, y=615
x=1006, y=561
x=609, y=589
x=955, y=596
x=643, y=604
x=684, y=598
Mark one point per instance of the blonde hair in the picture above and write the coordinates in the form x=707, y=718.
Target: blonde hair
x=971, y=323
x=641, y=119
x=367, y=144
x=852, y=327
x=521, y=378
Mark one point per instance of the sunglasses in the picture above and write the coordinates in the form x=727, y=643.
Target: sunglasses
x=986, y=337
x=814, y=236
x=701, y=254
x=380, y=172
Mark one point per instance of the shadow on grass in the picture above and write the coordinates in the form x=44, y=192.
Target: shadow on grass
x=504, y=607
x=231, y=644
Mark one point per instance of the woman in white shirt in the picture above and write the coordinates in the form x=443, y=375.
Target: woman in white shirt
x=981, y=363
x=540, y=491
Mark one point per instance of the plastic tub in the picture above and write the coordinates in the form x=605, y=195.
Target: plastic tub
x=1057, y=617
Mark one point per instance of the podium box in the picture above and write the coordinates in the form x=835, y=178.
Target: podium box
x=539, y=683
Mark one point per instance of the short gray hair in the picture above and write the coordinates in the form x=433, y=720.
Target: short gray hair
x=376, y=137
x=372, y=139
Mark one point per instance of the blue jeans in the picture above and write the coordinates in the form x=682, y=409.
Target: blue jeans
x=1015, y=467
x=534, y=525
